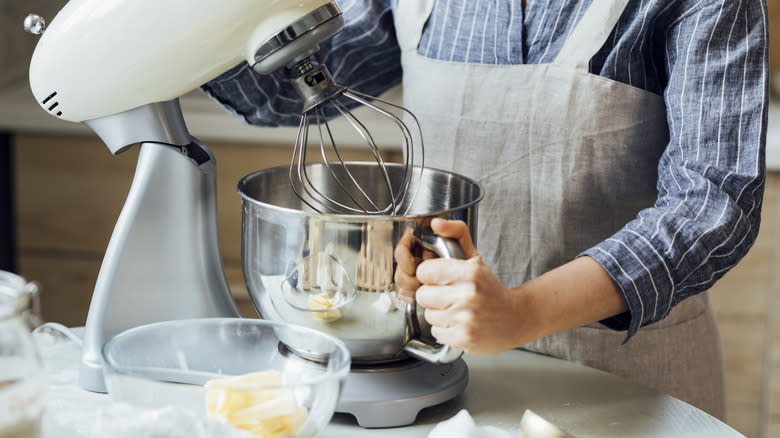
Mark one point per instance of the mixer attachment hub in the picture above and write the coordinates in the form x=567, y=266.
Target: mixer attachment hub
x=314, y=85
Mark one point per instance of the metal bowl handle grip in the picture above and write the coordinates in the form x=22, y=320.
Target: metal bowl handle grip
x=429, y=350
x=443, y=247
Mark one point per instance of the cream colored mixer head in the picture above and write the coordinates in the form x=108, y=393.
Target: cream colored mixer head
x=98, y=58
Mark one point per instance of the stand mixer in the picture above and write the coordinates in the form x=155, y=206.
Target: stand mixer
x=119, y=67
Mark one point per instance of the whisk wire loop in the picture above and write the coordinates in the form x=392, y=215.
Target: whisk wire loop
x=409, y=156
x=369, y=139
x=322, y=120
x=302, y=176
x=298, y=162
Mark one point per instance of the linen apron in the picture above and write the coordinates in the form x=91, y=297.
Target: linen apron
x=567, y=158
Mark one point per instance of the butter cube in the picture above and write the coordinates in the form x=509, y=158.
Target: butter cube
x=243, y=402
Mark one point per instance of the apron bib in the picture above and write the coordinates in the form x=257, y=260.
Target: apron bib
x=567, y=158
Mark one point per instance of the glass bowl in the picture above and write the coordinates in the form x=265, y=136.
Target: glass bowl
x=286, y=379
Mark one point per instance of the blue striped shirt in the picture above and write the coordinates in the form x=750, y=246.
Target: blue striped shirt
x=707, y=58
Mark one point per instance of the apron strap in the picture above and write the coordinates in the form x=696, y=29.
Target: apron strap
x=410, y=19
x=591, y=33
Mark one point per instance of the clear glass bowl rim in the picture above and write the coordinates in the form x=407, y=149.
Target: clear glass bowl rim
x=340, y=370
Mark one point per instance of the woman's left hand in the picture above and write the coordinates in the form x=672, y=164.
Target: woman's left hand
x=465, y=303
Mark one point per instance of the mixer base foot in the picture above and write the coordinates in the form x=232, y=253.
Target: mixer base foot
x=393, y=396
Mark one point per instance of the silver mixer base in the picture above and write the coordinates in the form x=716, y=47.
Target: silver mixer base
x=392, y=397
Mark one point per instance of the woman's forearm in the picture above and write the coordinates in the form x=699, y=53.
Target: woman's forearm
x=468, y=306
x=575, y=294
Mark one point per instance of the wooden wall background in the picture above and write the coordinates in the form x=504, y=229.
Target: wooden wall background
x=69, y=192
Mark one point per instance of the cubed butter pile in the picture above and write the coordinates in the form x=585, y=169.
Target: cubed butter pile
x=324, y=302
x=263, y=408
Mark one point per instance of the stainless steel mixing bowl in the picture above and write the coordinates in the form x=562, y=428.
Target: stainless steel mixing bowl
x=335, y=273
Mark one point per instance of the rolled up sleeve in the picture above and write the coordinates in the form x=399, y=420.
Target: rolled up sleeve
x=711, y=176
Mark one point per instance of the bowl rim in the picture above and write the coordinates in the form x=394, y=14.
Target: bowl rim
x=338, y=372
x=244, y=181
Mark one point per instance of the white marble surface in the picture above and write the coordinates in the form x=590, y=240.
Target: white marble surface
x=585, y=402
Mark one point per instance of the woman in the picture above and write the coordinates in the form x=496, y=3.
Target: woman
x=620, y=143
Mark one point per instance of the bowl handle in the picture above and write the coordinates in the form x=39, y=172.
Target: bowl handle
x=428, y=349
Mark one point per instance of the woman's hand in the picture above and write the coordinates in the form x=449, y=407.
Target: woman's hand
x=409, y=254
x=465, y=304
x=469, y=308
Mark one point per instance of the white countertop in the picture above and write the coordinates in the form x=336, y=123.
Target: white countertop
x=585, y=402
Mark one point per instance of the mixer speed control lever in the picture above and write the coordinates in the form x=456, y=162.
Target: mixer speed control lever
x=314, y=84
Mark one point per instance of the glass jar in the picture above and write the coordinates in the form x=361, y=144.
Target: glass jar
x=22, y=377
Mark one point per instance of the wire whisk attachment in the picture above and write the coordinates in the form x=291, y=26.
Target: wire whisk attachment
x=326, y=180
